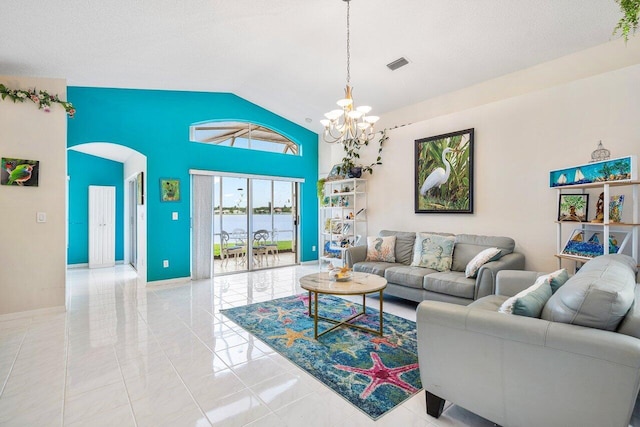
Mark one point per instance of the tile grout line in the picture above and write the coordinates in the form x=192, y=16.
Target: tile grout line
x=15, y=358
x=171, y=362
x=133, y=415
x=115, y=353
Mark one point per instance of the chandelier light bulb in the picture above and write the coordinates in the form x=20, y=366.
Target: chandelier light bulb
x=345, y=102
x=371, y=119
x=364, y=109
x=354, y=114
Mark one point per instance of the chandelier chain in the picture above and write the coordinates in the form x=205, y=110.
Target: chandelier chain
x=348, y=45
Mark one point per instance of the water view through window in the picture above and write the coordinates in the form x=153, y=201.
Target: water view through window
x=242, y=208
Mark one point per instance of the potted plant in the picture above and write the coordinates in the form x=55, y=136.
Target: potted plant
x=628, y=24
x=320, y=190
x=349, y=166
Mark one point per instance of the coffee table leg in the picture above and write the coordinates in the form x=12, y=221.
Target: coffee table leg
x=364, y=304
x=309, y=303
x=315, y=317
x=381, y=313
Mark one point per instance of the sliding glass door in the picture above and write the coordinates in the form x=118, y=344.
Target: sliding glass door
x=254, y=223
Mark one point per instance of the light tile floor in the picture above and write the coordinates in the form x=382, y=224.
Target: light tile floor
x=126, y=355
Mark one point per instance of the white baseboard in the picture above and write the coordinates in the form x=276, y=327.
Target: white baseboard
x=80, y=265
x=32, y=313
x=178, y=281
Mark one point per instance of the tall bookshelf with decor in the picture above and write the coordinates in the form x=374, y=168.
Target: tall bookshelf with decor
x=615, y=225
x=343, y=218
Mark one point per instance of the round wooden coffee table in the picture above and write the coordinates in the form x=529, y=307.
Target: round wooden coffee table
x=360, y=284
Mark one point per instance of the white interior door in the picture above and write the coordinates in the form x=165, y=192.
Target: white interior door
x=102, y=227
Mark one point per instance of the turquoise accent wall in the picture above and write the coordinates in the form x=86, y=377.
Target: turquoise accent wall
x=85, y=170
x=156, y=124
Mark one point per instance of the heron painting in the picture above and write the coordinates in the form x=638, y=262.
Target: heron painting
x=444, y=173
x=19, y=172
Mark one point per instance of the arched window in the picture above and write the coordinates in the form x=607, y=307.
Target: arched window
x=243, y=135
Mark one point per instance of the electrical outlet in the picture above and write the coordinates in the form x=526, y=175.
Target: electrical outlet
x=165, y=263
x=313, y=248
x=174, y=216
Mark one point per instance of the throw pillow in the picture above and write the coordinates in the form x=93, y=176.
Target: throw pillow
x=557, y=279
x=433, y=251
x=381, y=249
x=507, y=307
x=489, y=254
x=531, y=304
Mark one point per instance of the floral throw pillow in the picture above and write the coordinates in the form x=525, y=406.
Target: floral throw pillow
x=433, y=251
x=382, y=249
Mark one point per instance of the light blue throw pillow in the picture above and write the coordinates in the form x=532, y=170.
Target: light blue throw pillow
x=532, y=303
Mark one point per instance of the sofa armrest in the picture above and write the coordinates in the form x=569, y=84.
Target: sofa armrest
x=355, y=254
x=486, y=279
x=510, y=282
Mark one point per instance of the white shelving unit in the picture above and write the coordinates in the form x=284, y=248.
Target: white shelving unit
x=343, y=218
x=632, y=228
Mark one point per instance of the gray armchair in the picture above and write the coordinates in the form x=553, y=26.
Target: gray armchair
x=523, y=371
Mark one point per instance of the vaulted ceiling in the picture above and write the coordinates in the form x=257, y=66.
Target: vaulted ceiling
x=289, y=55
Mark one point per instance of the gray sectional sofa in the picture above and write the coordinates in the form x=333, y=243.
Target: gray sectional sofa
x=418, y=283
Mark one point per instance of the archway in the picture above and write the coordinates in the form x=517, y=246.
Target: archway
x=135, y=224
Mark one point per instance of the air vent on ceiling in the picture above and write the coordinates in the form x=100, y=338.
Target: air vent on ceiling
x=400, y=62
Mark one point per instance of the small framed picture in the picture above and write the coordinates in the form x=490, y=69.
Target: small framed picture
x=140, y=184
x=573, y=207
x=19, y=172
x=170, y=190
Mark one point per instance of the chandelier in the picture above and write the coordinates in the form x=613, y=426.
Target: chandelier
x=349, y=121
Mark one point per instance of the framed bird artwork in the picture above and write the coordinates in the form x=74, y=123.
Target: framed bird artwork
x=444, y=173
x=19, y=172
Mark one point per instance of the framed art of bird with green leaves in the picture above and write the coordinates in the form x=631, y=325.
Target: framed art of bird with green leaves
x=444, y=173
x=19, y=172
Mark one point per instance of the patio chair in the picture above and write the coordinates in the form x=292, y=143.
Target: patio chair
x=227, y=250
x=262, y=246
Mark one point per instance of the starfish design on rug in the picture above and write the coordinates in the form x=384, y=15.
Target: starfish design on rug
x=304, y=298
x=409, y=335
x=378, y=341
x=345, y=347
x=282, y=313
x=291, y=336
x=379, y=375
x=263, y=315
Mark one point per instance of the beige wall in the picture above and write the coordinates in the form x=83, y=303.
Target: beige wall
x=521, y=133
x=33, y=255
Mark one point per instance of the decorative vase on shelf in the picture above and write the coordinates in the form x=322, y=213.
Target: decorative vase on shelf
x=355, y=172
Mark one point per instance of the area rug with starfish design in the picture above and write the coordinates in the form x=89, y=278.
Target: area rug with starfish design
x=373, y=373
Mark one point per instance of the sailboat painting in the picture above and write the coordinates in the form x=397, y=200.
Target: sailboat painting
x=592, y=246
x=620, y=169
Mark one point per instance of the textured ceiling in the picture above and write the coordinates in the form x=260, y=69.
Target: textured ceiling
x=289, y=55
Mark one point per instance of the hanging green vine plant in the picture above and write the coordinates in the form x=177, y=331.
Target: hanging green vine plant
x=628, y=24
x=39, y=97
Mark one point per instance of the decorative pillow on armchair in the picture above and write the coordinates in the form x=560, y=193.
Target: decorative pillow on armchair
x=381, y=249
x=530, y=301
x=433, y=251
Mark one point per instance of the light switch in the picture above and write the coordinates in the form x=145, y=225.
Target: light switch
x=174, y=216
x=41, y=217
